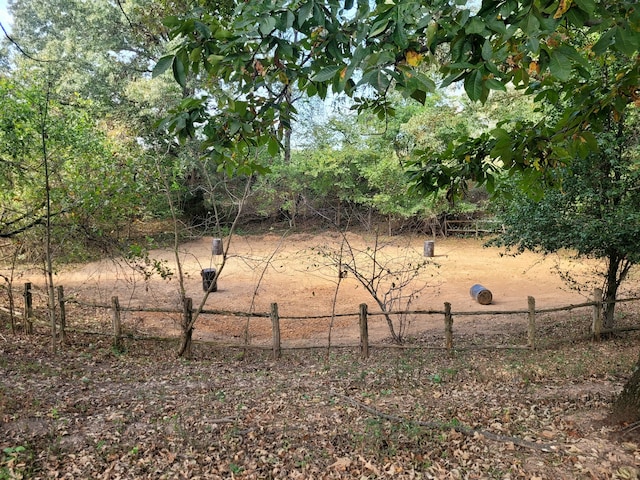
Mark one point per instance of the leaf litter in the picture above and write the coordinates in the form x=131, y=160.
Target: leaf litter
x=92, y=412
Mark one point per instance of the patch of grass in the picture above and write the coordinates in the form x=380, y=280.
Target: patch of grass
x=119, y=349
x=33, y=367
x=16, y=462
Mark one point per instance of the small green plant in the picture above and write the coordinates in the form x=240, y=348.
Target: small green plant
x=454, y=422
x=235, y=469
x=14, y=462
x=118, y=350
x=138, y=256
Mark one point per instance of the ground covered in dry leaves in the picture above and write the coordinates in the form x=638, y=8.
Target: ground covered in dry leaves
x=92, y=411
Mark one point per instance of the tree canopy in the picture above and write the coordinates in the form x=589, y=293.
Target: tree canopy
x=364, y=49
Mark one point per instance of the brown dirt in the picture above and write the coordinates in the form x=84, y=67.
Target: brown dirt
x=296, y=271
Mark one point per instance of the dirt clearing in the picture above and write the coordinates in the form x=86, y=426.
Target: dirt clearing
x=300, y=273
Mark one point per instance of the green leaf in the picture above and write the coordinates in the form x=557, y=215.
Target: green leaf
x=327, y=73
x=627, y=41
x=194, y=56
x=573, y=54
x=379, y=27
x=587, y=6
x=577, y=17
x=304, y=12
x=532, y=25
x=560, y=66
x=377, y=78
x=267, y=24
x=605, y=41
x=240, y=106
x=234, y=127
x=494, y=84
x=476, y=26
x=273, y=147
x=221, y=34
x=454, y=77
x=171, y=21
x=215, y=59
x=590, y=140
x=202, y=29
x=356, y=59
x=179, y=72
x=473, y=85
x=487, y=50
x=162, y=66
x=533, y=44
x=419, y=95
x=318, y=15
x=400, y=37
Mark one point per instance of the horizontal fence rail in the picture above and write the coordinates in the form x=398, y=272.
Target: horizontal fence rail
x=27, y=317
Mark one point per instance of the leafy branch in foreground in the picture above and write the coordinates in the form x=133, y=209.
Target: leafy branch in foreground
x=365, y=50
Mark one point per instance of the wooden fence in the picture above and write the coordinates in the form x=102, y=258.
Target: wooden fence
x=363, y=314
x=475, y=227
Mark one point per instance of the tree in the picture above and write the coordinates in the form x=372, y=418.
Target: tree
x=580, y=190
x=99, y=181
x=595, y=213
x=102, y=52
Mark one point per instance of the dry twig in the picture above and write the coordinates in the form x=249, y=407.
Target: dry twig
x=543, y=447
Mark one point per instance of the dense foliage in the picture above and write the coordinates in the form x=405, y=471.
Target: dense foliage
x=95, y=182
x=366, y=49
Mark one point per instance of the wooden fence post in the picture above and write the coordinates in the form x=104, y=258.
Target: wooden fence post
x=63, y=314
x=12, y=306
x=364, y=331
x=596, y=327
x=448, y=326
x=275, y=329
x=531, y=331
x=117, y=326
x=28, y=308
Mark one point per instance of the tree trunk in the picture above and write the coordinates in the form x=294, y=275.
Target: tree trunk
x=51, y=296
x=185, y=344
x=610, y=292
x=626, y=407
x=187, y=329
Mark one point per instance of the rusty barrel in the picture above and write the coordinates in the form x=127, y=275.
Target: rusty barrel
x=481, y=295
x=429, y=247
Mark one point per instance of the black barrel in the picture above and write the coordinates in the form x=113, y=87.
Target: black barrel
x=208, y=277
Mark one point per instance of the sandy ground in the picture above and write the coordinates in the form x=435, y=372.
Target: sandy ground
x=299, y=272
